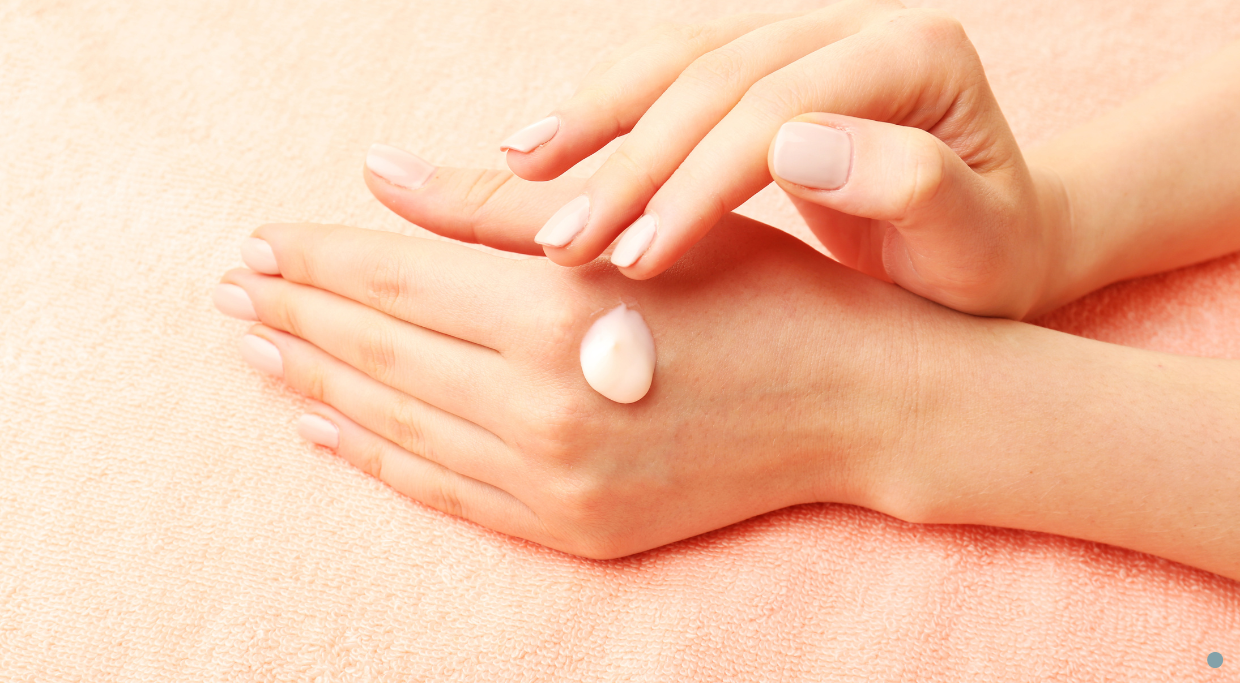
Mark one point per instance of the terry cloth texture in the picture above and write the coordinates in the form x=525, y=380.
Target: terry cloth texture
x=161, y=521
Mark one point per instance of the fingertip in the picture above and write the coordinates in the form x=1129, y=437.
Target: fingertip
x=570, y=257
x=536, y=166
x=318, y=430
x=811, y=154
x=635, y=241
x=532, y=136
x=259, y=256
x=397, y=167
x=385, y=192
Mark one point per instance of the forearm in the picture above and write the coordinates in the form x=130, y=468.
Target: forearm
x=1089, y=440
x=1152, y=186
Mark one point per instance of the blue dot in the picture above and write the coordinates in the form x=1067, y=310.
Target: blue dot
x=1215, y=660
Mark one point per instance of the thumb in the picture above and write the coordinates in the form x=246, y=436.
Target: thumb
x=944, y=230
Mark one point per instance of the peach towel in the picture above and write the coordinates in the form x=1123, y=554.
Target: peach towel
x=159, y=519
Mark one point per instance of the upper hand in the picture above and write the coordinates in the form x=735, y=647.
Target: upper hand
x=876, y=119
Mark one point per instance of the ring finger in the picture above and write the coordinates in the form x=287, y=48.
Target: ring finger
x=412, y=424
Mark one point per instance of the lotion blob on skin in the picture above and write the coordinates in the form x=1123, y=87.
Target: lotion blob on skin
x=617, y=355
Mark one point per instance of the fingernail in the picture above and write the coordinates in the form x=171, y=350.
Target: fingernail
x=257, y=254
x=635, y=241
x=565, y=224
x=815, y=156
x=231, y=300
x=398, y=167
x=262, y=354
x=532, y=136
x=317, y=430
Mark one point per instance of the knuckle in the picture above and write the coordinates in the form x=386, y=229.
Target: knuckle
x=376, y=351
x=286, y=313
x=720, y=69
x=314, y=381
x=554, y=325
x=405, y=425
x=557, y=425
x=479, y=197
x=933, y=29
x=370, y=460
x=926, y=170
x=607, y=98
x=443, y=495
x=635, y=169
x=559, y=322
x=387, y=281
x=774, y=97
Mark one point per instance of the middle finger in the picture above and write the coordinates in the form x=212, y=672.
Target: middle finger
x=682, y=116
x=456, y=376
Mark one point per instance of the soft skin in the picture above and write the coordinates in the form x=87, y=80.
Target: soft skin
x=939, y=198
x=782, y=378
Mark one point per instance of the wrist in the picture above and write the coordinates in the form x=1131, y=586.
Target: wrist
x=994, y=407
x=936, y=391
x=1073, y=251
x=1075, y=437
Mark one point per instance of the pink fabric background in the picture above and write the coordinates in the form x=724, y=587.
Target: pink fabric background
x=159, y=519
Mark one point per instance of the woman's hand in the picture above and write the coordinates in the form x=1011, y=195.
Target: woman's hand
x=876, y=119
x=453, y=375
x=782, y=378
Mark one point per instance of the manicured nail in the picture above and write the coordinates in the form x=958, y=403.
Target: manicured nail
x=815, y=156
x=262, y=354
x=317, y=430
x=257, y=254
x=565, y=224
x=635, y=241
x=398, y=167
x=231, y=300
x=532, y=136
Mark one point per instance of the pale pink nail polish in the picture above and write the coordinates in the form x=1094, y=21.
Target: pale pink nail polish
x=398, y=167
x=262, y=354
x=532, y=136
x=565, y=224
x=259, y=257
x=635, y=241
x=232, y=301
x=318, y=430
x=815, y=156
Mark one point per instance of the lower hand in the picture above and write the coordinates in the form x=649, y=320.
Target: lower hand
x=876, y=119
x=453, y=376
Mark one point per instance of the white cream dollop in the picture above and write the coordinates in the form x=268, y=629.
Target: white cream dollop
x=617, y=355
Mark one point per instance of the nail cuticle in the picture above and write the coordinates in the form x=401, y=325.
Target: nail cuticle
x=532, y=136
x=398, y=167
x=262, y=355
